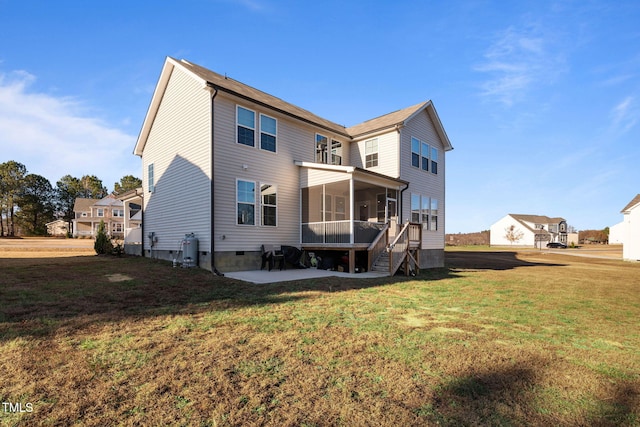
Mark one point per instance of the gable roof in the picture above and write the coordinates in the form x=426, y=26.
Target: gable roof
x=400, y=118
x=631, y=204
x=210, y=79
x=82, y=204
x=537, y=219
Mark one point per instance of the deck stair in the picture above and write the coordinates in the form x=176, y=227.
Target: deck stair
x=403, y=251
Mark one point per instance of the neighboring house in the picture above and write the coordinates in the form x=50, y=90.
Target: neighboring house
x=528, y=230
x=617, y=233
x=630, y=228
x=89, y=213
x=57, y=227
x=132, y=201
x=239, y=168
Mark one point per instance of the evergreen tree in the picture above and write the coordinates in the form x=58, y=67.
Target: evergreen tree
x=103, y=243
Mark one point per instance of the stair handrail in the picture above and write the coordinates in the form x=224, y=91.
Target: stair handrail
x=398, y=247
x=378, y=245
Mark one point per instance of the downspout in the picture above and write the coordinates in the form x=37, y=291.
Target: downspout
x=402, y=200
x=214, y=92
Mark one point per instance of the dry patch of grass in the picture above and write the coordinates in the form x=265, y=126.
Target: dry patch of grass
x=494, y=339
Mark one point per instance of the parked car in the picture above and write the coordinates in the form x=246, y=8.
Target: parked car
x=557, y=245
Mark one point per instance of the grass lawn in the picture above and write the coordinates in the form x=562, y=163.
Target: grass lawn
x=496, y=338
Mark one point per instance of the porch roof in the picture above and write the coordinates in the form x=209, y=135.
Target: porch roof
x=357, y=173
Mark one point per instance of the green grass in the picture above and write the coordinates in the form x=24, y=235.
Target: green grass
x=510, y=339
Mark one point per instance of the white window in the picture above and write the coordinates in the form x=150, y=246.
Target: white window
x=434, y=215
x=268, y=133
x=425, y=156
x=321, y=148
x=425, y=212
x=246, y=202
x=415, y=152
x=117, y=227
x=119, y=213
x=434, y=160
x=246, y=126
x=415, y=208
x=371, y=153
x=100, y=212
x=150, y=178
x=336, y=152
x=269, y=200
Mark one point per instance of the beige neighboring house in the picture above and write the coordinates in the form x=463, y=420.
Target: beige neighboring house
x=89, y=213
x=59, y=227
x=132, y=201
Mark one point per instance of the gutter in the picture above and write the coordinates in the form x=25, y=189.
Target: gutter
x=213, y=92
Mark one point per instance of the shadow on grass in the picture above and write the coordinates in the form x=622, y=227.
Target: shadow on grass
x=512, y=394
x=41, y=296
x=489, y=261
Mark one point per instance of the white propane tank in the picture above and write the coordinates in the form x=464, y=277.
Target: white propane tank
x=189, y=250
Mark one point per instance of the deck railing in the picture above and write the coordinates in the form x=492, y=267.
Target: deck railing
x=339, y=232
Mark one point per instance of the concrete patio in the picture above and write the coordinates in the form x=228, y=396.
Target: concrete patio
x=265, y=276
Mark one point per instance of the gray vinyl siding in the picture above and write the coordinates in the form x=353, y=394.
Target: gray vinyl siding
x=387, y=154
x=235, y=161
x=422, y=182
x=178, y=146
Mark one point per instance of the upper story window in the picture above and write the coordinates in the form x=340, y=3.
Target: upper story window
x=118, y=213
x=415, y=152
x=100, y=212
x=336, y=152
x=150, y=178
x=371, y=153
x=246, y=126
x=328, y=154
x=423, y=156
x=434, y=160
x=268, y=133
x=321, y=148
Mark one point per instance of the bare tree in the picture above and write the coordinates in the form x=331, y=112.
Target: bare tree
x=513, y=234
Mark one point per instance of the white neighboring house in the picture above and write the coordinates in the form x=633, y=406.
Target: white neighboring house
x=525, y=228
x=630, y=230
x=240, y=168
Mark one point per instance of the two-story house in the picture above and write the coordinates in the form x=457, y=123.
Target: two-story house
x=528, y=230
x=240, y=168
x=89, y=213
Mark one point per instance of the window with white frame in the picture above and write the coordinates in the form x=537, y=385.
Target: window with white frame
x=415, y=152
x=336, y=152
x=246, y=202
x=415, y=208
x=100, y=212
x=117, y=227
x=424, y=151
x=119, y=213
x=268, y=133
x=371, y=153
x=434, y=215
x=246, y=126
x=434, y=160
x=269, y=200
x=321, y=148
x=425, y=212
x=150, y=182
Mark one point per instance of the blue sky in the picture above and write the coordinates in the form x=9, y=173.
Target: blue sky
x=540, y=99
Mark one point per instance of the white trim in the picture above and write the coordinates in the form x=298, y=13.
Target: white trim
x=262, y=204
x=260, y=115
x=238, y=106
x=255, y=205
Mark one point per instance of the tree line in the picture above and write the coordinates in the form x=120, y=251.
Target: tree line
x=29, y=201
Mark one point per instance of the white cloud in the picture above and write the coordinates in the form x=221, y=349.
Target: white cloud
x=624, y=115
x=519, y=59
x=53, y=136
